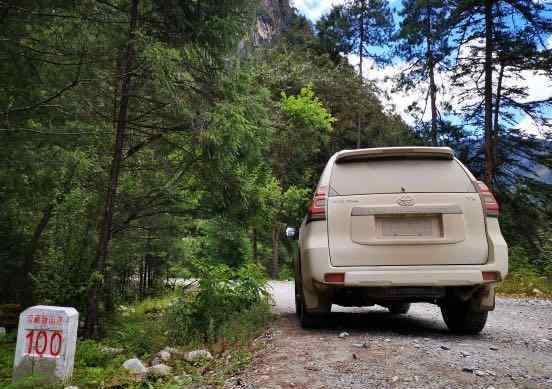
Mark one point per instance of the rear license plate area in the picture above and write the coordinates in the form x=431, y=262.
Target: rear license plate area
x=409, y=227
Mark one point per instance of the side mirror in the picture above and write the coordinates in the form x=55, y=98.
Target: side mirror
x=291, y=233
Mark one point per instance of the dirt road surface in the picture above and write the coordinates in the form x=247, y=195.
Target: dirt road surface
x=403, y=351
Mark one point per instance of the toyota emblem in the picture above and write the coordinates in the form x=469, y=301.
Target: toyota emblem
x=406, y=201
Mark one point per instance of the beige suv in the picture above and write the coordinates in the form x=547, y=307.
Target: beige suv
x=392, y=226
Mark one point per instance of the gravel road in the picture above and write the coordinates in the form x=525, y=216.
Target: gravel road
x=415, y=350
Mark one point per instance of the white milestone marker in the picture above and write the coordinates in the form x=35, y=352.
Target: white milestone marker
x=46, y=343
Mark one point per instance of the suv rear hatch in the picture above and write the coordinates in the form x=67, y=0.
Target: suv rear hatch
x=404, y=206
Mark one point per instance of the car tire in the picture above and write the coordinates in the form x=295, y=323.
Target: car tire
x=297, y=298
x=460, y=318
x=399, y=308
x=307, y=319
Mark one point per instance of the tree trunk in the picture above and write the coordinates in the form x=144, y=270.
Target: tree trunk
x=142, y=277
x=254, y=244
x=150, y=274
x=361, y=40
x=29, y=259
x=27, y=298
x=432, y=86
x=275, y=250
x=360, y=57
x=489, y=147
x=496, y=128
x=497, y=102
x=107, y=218
x=108, y=292
x=358, y=131
x=496, y=125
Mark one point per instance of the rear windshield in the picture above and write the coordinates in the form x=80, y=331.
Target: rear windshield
x=399, y=175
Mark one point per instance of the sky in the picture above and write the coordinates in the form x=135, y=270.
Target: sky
x=539, y=86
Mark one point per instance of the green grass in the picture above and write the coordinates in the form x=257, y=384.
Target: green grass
x=7, y=350
x=525, y=284
x=141, y=330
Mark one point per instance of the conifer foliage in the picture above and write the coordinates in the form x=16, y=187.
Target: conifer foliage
x=141, y=138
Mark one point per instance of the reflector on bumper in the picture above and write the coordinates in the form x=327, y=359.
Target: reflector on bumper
x=335, y=278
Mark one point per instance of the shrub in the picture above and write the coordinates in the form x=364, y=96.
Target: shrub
x=141, y=329
x=223, y=294
x=287, y=273
x=90, y=354
x=523, y=277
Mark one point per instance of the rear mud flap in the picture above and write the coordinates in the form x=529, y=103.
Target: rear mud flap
x=483, y=299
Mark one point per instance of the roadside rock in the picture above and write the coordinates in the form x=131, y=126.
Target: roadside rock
x=233, y=381
x=160, y=370
x=537, y=292
x=135, y=366
x=164, y=355
x=198, y=354
x=343, y=335
x=156, y=361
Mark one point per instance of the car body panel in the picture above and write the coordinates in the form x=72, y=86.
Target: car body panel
x=358, y=237
x=471, y=245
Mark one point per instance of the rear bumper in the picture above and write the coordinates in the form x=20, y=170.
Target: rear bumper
x=454, y=275
x=315, y=263
x=414, y=277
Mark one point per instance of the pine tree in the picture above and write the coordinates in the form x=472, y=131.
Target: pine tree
x=424, y=45
x=358, y=27
x=499, y=40
x=333, y=32
x=371, y=26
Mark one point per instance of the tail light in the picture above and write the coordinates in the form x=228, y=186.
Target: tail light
x=317, y=207
x=487, y=198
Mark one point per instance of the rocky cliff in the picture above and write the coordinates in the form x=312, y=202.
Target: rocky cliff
x=272, y=19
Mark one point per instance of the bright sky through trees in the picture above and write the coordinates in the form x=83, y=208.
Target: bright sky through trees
x=539, y=86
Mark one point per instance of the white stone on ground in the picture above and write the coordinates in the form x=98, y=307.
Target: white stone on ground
x=164, y=355
x=135, y=366
x=198, y=354
x=160, y=370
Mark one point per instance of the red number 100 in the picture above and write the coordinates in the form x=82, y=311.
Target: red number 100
x=44, y=342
